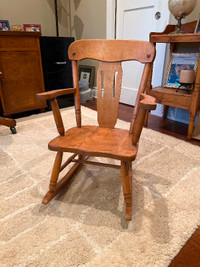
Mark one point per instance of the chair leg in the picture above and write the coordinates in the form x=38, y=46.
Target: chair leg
x=54, y=187
x=190, y=127
x=54, y=176
x=126, y=172
x=55, y=172
x=146, y=118
x=165, y=109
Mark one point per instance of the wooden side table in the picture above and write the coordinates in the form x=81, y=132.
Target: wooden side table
x=169, y=96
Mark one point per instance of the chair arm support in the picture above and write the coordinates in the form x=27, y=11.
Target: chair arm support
x=147, y=102
x=54, y=105
x=55, y=93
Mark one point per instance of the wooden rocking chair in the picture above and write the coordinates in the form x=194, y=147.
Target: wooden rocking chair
x=85, y=141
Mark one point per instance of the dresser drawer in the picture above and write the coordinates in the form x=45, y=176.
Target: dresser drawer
x=22, y=74
x=9, y=43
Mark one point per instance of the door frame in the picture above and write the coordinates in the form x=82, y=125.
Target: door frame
x=111, y=14
x=111, y=6
x=111, y=31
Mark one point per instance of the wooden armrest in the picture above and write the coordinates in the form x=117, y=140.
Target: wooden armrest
x=148, y=102
x=55, y=93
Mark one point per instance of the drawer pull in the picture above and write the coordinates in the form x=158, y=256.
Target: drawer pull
x=61, y=63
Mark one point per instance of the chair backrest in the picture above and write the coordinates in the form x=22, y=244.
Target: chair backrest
x=110, y=54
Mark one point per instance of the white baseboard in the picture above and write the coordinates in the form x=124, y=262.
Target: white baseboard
x=128, y=96
x=94, y=92
x=158, y=111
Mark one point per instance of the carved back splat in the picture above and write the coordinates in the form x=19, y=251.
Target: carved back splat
x=109, y=77
x=110, y=54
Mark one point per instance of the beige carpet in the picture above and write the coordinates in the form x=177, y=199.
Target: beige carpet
x=85, y=225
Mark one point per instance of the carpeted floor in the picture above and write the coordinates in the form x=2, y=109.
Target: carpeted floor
x=85, y=225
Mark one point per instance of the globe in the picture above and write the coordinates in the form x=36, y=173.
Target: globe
x=180, y=9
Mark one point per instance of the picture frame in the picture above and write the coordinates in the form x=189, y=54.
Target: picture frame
x=197, y=28
x=32, y=27
x=86, y=74
x=4, y=25
x=178, y=62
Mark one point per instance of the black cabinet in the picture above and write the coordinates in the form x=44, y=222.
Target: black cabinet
x=56, y=66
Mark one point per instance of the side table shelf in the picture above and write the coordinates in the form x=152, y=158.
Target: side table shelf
x=169, y=96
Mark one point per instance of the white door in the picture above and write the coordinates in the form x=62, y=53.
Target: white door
x=135, y=19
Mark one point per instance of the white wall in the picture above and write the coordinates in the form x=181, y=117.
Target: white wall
x=78, y=18
x=82, y=19
x=88, y=20
x=30, y=12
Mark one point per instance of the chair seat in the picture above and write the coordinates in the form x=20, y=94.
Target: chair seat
x=96, y=141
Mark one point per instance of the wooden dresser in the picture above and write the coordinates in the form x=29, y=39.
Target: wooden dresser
x=21, y=75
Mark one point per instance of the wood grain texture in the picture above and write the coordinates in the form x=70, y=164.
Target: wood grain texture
x=109, y=77
x=57, y=116
x=19, y=41
x=127, y=188
x=96, y=141
x=7, y=122
x=189, y=255
x=147, y=103
x=109, y=51
x=170, y=97
x=62, y=183
x=77, y=94
x=55, y=171
x=22, y=75
x=166, y=37
x=89, y=162
x=105, y=140
x=68, y=161
x=142, y=88
x=56, y=93
x=178, y=38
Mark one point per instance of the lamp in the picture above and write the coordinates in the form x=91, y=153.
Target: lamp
x=180, y=9
x=186, y=80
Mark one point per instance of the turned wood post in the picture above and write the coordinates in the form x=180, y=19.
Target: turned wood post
x=77, y=94
x=57, y=116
